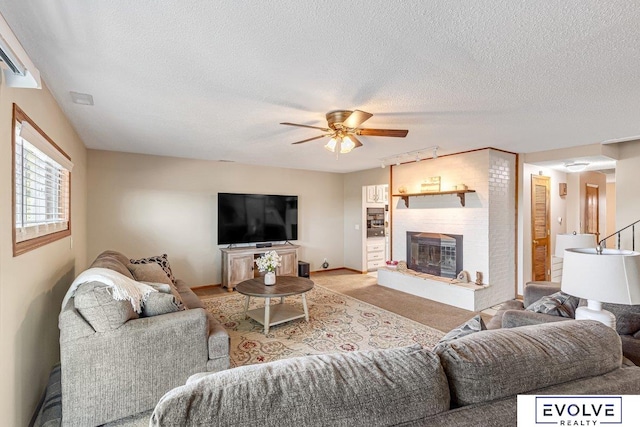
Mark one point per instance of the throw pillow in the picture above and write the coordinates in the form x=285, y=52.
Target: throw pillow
x=158, y=303
x=95, y=303
x=558, y=304
x=149, y=273
x=475, y=324
x=161, y=260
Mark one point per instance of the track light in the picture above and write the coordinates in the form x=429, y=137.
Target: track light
x=382, y=165
x=414, y=155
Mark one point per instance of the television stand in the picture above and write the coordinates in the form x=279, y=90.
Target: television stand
x=238, y=263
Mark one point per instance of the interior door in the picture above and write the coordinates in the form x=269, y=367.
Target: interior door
x=540, y=228
x=592, y=214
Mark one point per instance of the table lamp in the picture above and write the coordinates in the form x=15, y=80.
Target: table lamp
x=601, y=275
x=573, y=240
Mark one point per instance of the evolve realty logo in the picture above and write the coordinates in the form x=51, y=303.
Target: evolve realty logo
x=578, y=410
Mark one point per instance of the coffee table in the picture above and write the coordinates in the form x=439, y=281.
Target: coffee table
x=270, y=315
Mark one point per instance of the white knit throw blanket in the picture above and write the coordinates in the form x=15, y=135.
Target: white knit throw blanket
x=122, y=287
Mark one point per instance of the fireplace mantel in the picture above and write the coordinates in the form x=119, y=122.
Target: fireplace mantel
x=460, y=193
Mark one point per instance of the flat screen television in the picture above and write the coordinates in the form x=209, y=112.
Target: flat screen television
x=254, y=218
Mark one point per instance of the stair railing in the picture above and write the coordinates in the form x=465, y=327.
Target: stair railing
x=617, y=233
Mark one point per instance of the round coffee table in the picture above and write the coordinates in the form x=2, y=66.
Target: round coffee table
x=270, y=315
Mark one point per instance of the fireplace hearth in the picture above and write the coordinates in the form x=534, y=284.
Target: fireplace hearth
x=435, y=253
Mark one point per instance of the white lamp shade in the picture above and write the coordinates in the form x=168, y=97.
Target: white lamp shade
x=568, y=241
x=612, y=276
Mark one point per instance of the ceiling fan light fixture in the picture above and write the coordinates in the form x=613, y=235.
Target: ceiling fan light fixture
x=347, y=145
x=331, y=145
x=576, y=166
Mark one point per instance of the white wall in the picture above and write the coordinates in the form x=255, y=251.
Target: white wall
x=353, y=208
x=444, y=214
x=627, y=194
x=145, y=205
x=559, y=209
x=33, y=284
x=487, y=222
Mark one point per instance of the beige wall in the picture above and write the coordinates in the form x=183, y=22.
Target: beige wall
x=611, y=209
x=146, y=205
x=353, y=213
x=627, y=195
x=32, y=285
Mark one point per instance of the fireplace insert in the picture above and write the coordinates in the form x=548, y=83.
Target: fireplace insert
x=434, y=253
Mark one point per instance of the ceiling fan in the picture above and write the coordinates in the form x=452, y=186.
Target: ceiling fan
x=343, y=126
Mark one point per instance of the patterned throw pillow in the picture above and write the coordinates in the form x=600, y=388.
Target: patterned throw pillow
x=161, y=260
x=475, y=324
x=558, y=304
x=149, y=273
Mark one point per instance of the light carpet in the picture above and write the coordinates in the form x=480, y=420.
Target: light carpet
x=337, y=323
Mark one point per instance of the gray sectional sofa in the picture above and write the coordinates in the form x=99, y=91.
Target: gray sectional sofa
x=513, y=314
x=471, y=381
x=116, y=363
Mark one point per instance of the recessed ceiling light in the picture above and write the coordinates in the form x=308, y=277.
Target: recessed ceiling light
x=576, y=166
x=81, y=98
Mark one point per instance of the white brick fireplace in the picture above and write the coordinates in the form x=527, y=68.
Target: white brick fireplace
x=487, y=223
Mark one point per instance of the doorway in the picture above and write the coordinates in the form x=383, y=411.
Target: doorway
x=540, y=228
x=592, y=212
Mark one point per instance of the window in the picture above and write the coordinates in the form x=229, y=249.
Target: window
x=41, y=190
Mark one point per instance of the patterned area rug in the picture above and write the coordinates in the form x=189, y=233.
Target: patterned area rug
x=337, y=323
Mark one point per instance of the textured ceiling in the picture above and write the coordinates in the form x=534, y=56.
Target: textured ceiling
x=212, y=79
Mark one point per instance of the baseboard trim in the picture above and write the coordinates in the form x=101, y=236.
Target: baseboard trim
x=207, y=286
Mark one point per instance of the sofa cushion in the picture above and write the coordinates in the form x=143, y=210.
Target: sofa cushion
x=158, y=303
x=494, y=364
x=161, y=260
x=496, y=320
x=382, y=387
x=475, y=324
x=95, y=303
x=112, y=262
x=627, y=317
x=149, y=273
x=557, y=304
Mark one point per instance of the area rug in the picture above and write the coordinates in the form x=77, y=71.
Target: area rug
x=337, y=323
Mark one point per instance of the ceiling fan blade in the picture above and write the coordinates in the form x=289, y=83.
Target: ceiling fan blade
x=307, y=140
x=356, y=118
x=398, y=133
x=355, y=140
x=307, y=126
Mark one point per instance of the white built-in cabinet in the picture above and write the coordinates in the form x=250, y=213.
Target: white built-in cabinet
x=375, y=250
x=377, y=194
x=375, y=253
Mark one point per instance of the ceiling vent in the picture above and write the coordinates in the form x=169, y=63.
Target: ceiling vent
x=16, y=65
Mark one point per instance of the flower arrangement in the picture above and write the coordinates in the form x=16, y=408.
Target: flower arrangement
x=268, y=262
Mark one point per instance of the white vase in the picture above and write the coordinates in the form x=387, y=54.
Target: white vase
x=270, y=278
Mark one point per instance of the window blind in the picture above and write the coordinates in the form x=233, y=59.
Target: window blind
x=42, y=185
